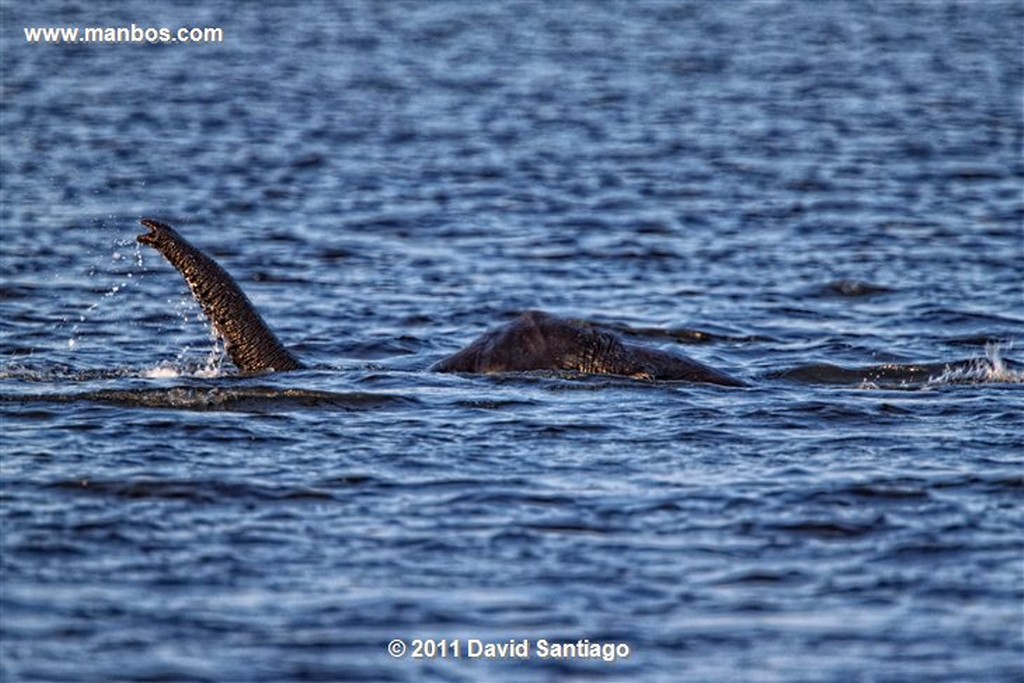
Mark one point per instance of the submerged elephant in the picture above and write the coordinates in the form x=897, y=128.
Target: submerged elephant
x=533, y=341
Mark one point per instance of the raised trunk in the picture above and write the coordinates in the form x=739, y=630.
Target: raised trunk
x=247, y=339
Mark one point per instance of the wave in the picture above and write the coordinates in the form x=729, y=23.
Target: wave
x=192, y=490
x=680, y=335
x=244, y=399
x=992, y=369
x=210, y=369
x=213, y=389
x=848, y=289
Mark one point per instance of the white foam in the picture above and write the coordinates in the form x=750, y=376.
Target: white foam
x=991, y=369
x=170, y=371
x=162, y=372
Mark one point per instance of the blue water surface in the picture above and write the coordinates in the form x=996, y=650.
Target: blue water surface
x=822, y=198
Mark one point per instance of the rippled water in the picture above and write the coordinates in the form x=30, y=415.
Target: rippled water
x=821, y=198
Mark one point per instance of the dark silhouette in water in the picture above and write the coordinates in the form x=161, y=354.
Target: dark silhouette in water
x=533, y=341
x=248, y=340
x=540, y=341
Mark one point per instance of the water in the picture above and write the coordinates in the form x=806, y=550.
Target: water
x=821, y=198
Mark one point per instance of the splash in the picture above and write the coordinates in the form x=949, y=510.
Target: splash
x=125, y=268
x=992, y=369
x=162, y=371
x=210, y=367
x=172, y=371
x=117, y=261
